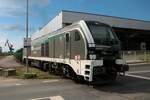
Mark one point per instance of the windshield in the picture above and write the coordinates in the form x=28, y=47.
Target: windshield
x=102, y=34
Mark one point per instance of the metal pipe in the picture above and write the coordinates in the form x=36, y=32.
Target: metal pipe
x=27, y=69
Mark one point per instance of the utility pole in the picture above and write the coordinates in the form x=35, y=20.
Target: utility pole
x=27, y=69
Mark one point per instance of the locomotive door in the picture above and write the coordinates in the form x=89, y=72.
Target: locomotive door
x=67, y=46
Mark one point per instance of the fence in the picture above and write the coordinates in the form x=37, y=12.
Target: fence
x=136, y=56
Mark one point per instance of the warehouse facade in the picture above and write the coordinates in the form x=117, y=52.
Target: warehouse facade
x=134, y=34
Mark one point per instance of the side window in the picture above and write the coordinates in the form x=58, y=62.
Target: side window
x=42, y=49
x=77, y=36
x=47, y=49
x=67, y=37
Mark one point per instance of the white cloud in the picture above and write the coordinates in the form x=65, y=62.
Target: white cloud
x=41, y=3
x=11, y=8
x=10, y=31
x=17, y=43
x=9, y=27
x=14, y=27
x=3, y=38
x=22, y=3
x=16, y=8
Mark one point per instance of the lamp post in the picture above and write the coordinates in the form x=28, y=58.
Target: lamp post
x=27, y=69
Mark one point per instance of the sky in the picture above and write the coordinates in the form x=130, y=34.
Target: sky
x=13, y=14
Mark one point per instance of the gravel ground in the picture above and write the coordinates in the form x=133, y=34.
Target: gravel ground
x=9, y=62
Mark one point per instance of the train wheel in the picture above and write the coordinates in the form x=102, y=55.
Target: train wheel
x=65, y=71
x=112, y=75
x=50, y=68
x=42, y=66
x=79, y=79
x=45, y=66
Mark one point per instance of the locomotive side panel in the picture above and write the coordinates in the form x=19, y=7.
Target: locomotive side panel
x=36, y=50
x=59, y=46
x=51, y=47
x=77, y=45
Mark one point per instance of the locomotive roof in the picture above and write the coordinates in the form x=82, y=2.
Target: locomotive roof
x=59, y=30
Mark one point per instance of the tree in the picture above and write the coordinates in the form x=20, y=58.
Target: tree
x=18, y=54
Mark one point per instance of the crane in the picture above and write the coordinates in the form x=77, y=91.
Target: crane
x=10, y=46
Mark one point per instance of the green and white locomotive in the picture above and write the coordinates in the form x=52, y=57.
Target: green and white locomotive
x=87, y=50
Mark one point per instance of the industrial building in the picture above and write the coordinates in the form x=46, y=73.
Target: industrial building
x=134, y=34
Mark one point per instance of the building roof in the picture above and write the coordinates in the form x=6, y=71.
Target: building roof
x=72, y=16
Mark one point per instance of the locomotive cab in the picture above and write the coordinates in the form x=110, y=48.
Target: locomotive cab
x=108, y=49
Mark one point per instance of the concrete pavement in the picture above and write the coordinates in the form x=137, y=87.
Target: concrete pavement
x=126, y=88
x=134, y=86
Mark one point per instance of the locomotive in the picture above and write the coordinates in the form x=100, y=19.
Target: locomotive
x=85, y=50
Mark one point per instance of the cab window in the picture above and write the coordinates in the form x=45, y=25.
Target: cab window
x=67, y=37
x=77, y=36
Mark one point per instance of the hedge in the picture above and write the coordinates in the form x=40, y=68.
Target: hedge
x=18, y=54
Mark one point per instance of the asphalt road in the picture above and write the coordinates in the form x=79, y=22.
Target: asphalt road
x=134, y=86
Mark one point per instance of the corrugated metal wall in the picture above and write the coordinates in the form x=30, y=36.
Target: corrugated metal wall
x=53, y=25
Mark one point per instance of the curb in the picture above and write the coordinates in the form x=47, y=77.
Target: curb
x=138, y=63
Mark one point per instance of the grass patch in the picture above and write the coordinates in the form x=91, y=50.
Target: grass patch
x=33, y=73
x=29, y=75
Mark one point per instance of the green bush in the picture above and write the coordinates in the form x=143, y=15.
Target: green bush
x=18, y=54
x=29, y=75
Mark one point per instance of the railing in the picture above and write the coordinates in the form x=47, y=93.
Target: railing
x=136, y=56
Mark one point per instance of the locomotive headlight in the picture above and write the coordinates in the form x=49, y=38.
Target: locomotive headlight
x=92, y=56
x=120, y=61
